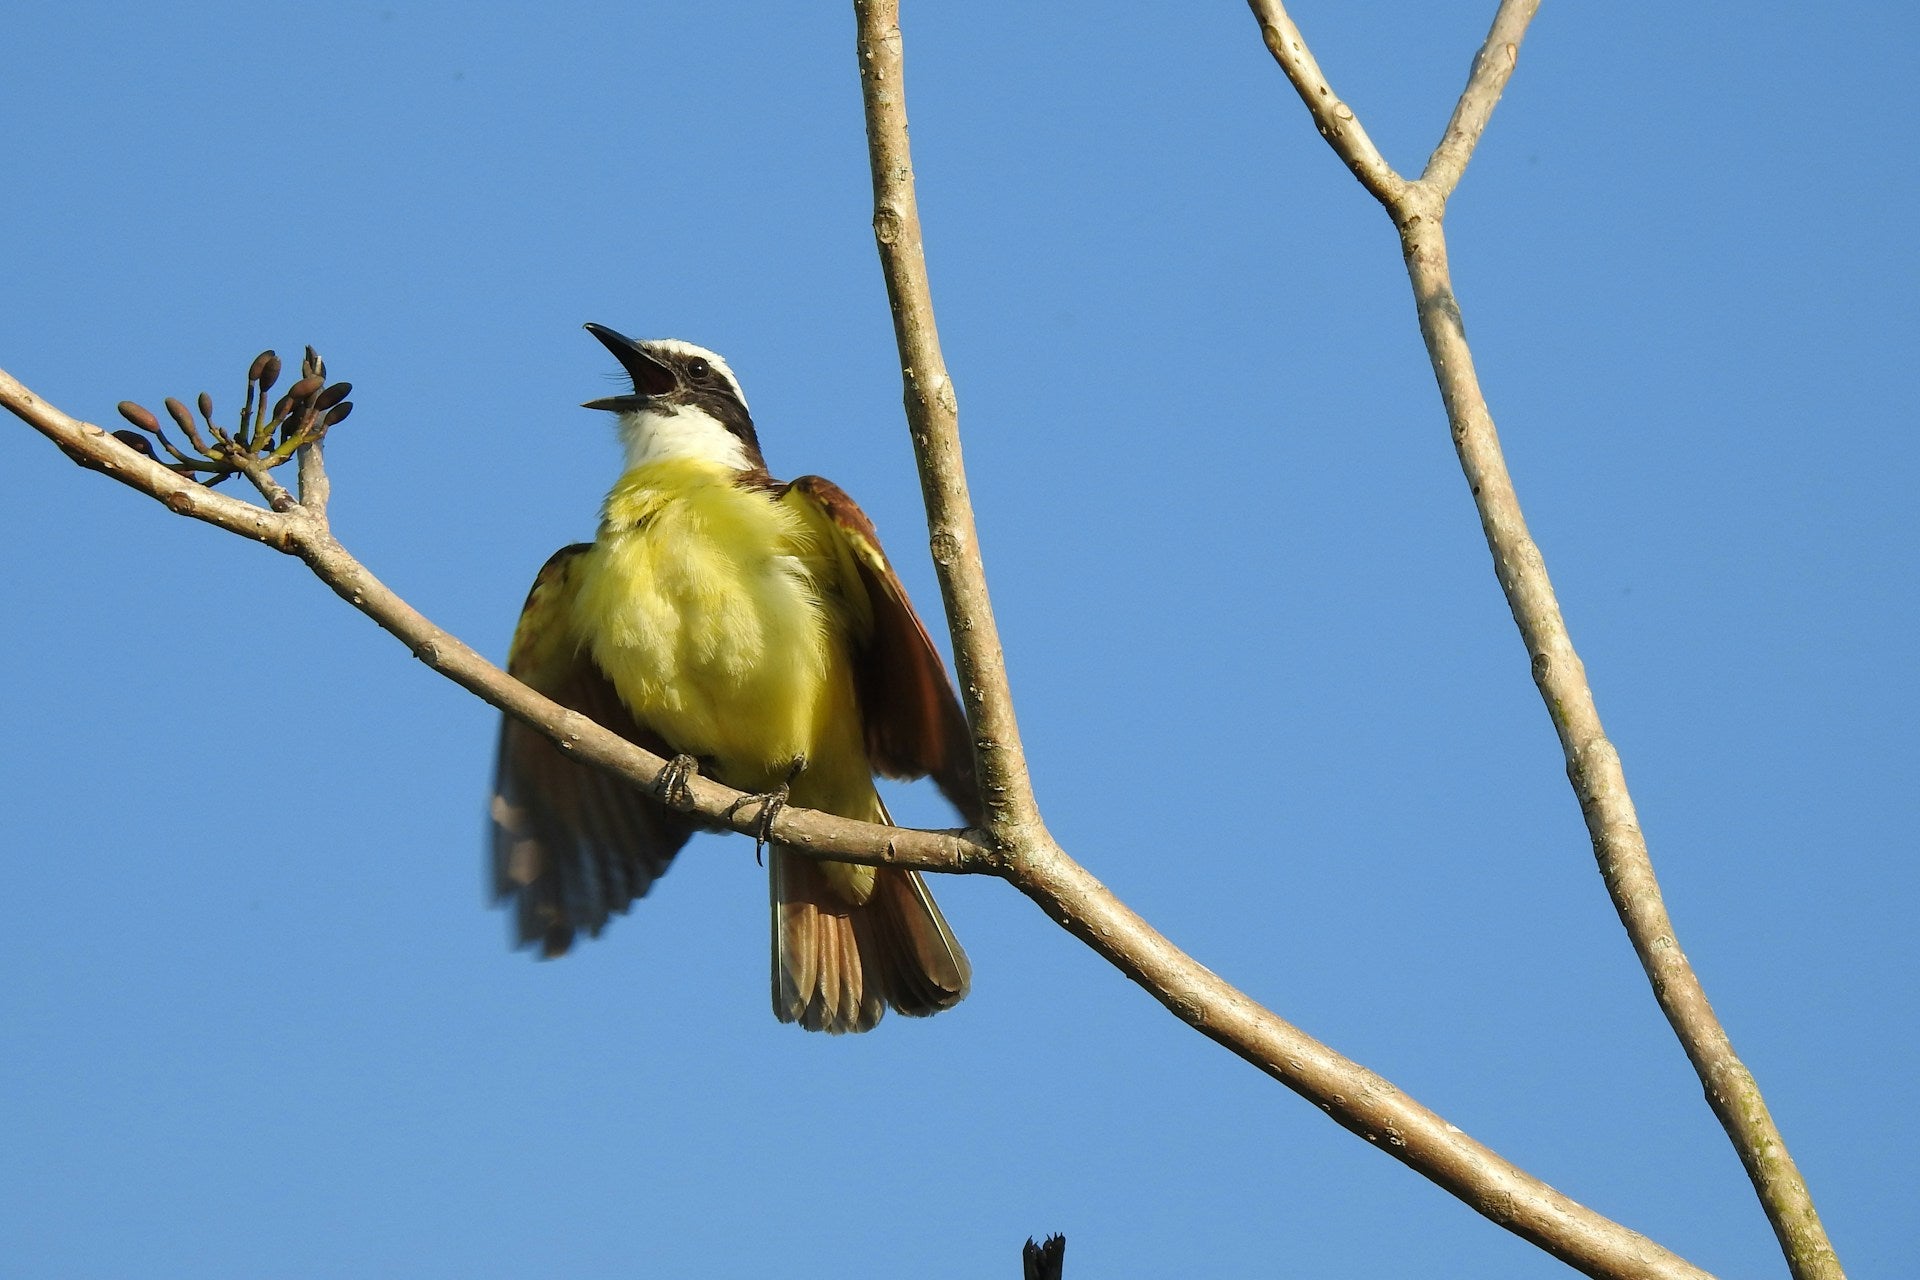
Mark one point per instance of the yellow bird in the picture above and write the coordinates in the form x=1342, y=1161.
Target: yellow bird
x=753, y=630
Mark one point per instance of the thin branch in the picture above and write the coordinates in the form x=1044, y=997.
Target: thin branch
x=1492, y=67
x=1334, y=118
x=933, y=416
x=262, y=479
x=1353, y=1096
x=315, y=487
x=1593, y=764
x=1594, y=769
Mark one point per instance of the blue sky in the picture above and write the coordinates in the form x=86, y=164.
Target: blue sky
x=258, y=1017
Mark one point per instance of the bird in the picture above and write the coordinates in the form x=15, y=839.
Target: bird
x=753, y=631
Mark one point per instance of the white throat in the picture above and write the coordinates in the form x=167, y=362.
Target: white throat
x=679, y=433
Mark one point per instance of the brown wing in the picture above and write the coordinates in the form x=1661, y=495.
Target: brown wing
x=914, y=724
x=572, y=845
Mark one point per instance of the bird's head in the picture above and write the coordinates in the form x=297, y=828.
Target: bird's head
x=685, y=404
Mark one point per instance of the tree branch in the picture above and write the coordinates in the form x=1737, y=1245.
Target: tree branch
x=1334, y=118
x=1353, y=1096
x=96, y=449
x=1593, y=765
x=1492, y=67
x=933, y=417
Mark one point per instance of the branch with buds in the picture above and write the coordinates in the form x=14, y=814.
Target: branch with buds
x=262, y=441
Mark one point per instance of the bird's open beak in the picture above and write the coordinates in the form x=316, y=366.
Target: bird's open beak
x=650, y=377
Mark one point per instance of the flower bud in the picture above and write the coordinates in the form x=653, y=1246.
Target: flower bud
x=135, y=441
x=138, y=416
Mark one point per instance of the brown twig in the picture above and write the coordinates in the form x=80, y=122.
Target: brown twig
x=262, y=479
x=1593, y=765
x=1356, y=1098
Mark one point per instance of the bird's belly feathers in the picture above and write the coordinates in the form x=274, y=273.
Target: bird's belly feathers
x=713, y=632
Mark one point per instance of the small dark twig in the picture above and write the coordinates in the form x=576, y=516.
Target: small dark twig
x=1044, y=1261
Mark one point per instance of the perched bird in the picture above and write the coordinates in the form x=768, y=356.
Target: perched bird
x=753, y=630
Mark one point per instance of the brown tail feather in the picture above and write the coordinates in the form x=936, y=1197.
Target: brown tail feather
x=836, y=966
x=926, y=971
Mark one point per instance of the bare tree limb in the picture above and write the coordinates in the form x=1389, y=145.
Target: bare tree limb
x=1334, y=118
x=315, y=488
x=933, y=416
x=1593, y=765
x=1492, y=67
x=278, y=499
x=1356, y=1098
x=1599, y=782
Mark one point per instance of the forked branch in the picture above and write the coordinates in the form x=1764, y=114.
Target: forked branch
x=1593, y=765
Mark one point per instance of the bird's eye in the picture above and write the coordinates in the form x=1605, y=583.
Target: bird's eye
x=698, y=369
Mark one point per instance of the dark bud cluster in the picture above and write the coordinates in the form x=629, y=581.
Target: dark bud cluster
x=268, y=437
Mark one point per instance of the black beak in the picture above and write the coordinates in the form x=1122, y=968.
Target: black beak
x=650, y=377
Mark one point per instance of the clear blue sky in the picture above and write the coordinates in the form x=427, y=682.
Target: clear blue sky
x=257, y=1016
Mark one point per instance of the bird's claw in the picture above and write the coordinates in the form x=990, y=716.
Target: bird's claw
x=672, y=782
x=771, y=804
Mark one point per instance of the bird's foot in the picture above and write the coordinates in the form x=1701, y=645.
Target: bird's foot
x=771, y=803
x=671, y=785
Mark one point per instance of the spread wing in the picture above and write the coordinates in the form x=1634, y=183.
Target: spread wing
x=572, y=845
x=914, y=724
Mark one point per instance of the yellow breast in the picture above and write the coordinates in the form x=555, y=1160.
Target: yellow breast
x=700, y=603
